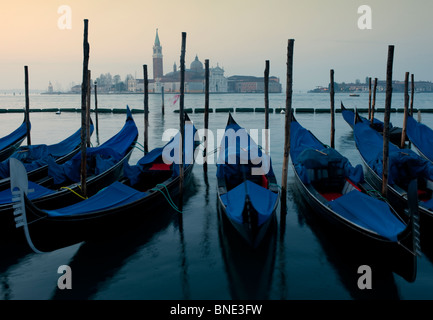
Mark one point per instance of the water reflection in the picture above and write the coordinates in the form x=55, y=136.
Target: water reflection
x=346, y=253
x=99, y=260
x=249, y=270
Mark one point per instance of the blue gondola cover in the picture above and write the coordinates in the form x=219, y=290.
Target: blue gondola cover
x=99, y=159
x=261, y=199
x=307, y=152
x=115, y=195
x=20, y=132
x=404, y=164
x=421, y=136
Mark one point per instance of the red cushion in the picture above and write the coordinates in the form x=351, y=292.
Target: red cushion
x=423, y=195
x=264, y=182
x=331, y=195
x=160, y=166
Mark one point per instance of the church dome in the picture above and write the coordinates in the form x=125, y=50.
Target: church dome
x=196, y=65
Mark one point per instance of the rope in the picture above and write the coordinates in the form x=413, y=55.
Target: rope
x=167, y=197
x=77, y=194
x=142, y=147
x=376, y=194
x=275, y=184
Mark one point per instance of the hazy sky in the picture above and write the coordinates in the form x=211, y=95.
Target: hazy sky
x=239, y=35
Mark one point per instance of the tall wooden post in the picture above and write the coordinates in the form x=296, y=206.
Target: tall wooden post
x=288, y=120
x=332, y=109
x=387, y=120
x=206, y=114
x=27, y=117
x=146, y=110
x=88, y=108
x=96, y=113
x=374, y=101
x=266, y=105
x=413, y=93
x=181, y=116
x=406, y=109
x=162, y=98
x=369, y=98
x=86, y=49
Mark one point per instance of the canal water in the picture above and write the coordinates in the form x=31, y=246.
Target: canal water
x=196, y=255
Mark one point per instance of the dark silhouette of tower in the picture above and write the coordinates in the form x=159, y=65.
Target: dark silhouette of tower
x=157, y=58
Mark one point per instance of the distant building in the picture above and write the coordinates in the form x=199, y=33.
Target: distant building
x=249, y=84
x=50, y=88
x=195, y=78
x=397, y=86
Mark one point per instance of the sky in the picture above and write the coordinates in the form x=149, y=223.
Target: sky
x=238, y=35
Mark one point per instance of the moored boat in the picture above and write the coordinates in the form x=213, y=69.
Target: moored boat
x=248, y=194
x=338, y=192
x=144, y=188
x=62, y=186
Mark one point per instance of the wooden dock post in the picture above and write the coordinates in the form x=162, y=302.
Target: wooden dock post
x=162, y=98
x=266, y=106
x=206, y=114
x=96, y=113
x=181, y=116
x=406, y=109
x=385, y=160
x=146, y=110
x=288, y=120
x=413, y=93
x=86, y=49
x=374, y=101
x=369, y=98
x=88, y=108
x=27, y=117
x=332, y=93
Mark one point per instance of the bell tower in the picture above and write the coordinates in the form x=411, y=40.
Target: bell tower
x=157, y=58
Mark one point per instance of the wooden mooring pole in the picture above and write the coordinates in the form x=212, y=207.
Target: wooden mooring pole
x=374, y=101
x=27, y=117
x=162, y=98
x=182, y=117
x=386, y=121
x=369, y=98
x=88, y=108
x=413, y=93
x=96, y=113
x=332, y=93
x=288, y=119
x=406, y=110
x=146, y=110
x=206, y=114
x=86, y=49
x=266, y=106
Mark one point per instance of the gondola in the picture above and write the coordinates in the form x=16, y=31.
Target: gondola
x=9, y=143
x=350, y=115
x=248, y=194
x=62, y=186
x=421, y=137
x=404, y=165
x=143, y=190
x=338, y=192
x=37, y=157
